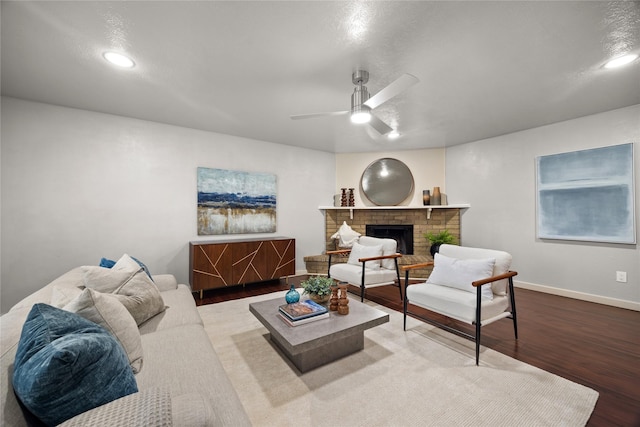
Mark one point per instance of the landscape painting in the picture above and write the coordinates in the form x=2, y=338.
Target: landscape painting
x=235, y=202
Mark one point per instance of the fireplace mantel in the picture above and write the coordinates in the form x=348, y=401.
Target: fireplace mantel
x=425, y=219
x=428, y=208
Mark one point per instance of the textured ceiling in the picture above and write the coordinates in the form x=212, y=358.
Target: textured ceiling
x=242, y=68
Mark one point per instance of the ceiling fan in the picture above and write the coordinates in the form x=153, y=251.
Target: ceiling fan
x=362, y=103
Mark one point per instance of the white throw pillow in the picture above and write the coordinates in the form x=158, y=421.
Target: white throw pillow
x=347, y=235
x=141, y=297
x=460, y=273
x=360, y=251
x=61, y=296
x=106, y=279
x=126, y=263
x=134, y=290
x=389, y=247
x=108, y=312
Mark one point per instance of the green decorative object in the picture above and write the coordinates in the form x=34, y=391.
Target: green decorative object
x=318, y=288
x=441, y=238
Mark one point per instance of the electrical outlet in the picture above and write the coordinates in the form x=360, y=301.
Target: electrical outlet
x=621, y=276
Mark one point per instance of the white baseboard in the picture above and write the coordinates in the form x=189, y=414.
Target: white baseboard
x=614, y=302
x=629, y=305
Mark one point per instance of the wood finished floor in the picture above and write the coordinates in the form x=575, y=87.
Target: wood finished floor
x=591, y=344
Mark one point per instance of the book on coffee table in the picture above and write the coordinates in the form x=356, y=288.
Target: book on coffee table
x=306, y=320
x=302, y=310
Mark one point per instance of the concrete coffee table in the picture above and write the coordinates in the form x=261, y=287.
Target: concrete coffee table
x=320, y=342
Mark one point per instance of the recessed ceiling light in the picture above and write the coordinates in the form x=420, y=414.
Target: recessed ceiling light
x=393, y=134
x=119, y=59
x=621, y=60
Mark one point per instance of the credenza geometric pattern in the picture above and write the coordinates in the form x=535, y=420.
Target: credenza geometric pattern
x=228, y=263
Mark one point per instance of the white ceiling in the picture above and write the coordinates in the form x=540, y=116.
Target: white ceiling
x=242, y=68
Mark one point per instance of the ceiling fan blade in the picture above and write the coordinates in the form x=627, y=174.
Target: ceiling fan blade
x=398, y=86
x=379, y=125
x=314, y=115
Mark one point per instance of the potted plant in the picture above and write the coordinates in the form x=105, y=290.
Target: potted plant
x=443, y=237
x=318, y=288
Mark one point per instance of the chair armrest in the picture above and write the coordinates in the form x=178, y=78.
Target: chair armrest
x=506, y=275
x=331, y=253
x=373, y=258
x=340, y=251
x=406, y=269
x=416, y=266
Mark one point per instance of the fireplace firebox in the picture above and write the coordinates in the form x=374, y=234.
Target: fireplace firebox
x=403, y=234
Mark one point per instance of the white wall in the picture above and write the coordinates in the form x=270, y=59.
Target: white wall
x=79, y=185
x=497, y=177
x=426, y=166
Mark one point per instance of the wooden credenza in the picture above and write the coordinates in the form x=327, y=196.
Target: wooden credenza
x=222, y=263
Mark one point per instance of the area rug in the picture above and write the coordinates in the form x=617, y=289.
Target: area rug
x=421, y=377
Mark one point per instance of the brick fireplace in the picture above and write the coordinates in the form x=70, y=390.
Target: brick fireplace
x=439, y=219
x=403, y=234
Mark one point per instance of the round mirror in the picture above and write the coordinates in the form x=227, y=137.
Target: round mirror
x=387, y=182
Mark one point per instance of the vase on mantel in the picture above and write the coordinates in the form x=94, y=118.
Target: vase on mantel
x=426, y=197
x=343, y=197
x=436, y=197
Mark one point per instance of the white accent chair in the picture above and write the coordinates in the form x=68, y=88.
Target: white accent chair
x=466, y=284
x=372, y=262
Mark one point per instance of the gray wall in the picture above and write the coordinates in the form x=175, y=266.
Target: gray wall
x=497, y=177
x=79, y=185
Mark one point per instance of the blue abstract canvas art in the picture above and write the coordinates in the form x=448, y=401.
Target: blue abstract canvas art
x=235, y=202
x=587, y=195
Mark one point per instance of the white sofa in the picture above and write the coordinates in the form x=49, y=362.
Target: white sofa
x=180, y=374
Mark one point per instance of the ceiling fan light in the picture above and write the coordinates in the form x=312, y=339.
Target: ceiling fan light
x=360, y=113
x=394, y=134
x=360, y=117
x=119, y=59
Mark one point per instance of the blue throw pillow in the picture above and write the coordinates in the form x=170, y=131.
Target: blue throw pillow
x=66, y=365
x=144, y=267
x=107, y=263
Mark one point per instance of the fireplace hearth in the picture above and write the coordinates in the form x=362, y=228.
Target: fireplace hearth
x=403, y=234
x=423, y=222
